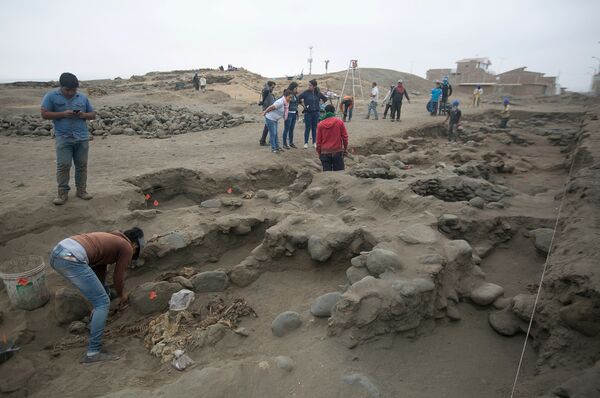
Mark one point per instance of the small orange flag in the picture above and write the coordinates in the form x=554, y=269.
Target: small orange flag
x=229, y=190
x=152, y=295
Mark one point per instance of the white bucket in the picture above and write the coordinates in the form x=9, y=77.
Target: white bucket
x=25, y=281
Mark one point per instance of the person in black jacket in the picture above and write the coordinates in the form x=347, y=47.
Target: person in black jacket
x=446, y=93
x=397, y=97
x=311, y=101
x=267, y=99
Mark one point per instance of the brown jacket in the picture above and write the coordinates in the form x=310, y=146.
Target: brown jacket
x=105, y=248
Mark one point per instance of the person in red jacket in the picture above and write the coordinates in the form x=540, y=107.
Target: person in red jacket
x=332, y=141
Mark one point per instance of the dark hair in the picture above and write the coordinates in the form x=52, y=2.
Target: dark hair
x=330, y=108
x=374, y=83
x=68, y=80
x=292, y=86
x=287, y=92
x=134, y=234
x=313, y=82
x=270, y=83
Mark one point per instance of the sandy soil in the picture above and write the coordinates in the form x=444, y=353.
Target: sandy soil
x=440, y=358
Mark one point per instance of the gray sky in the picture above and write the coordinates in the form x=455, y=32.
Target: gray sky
x=108, y=38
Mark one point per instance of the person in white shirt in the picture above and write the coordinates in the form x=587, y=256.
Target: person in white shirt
x=477, y=93
x=373, y=102
x=279, y=110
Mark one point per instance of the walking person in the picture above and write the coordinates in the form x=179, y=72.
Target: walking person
x=387, y=101
x=347, y=106
x=279, y=110
x=266, y=101
x=477, y=93
x=83, y=261
x=374, y=96
x=332, y=141
x=310, y=100
x=290, y=122
x=453, y=120
x=69, y=112
x=446, y=93
x=203, y=84
x=397, y=97
x=505, y=114
x=196, y=81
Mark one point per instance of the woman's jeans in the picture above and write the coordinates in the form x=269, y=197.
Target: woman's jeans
x=288, y=129
x=83, y=277
x=311, y=119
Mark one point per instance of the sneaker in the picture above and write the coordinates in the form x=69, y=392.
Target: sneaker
x=305, y=146
x=102, y=356
x=62, y=198
x=314, y=145
x=274, y=151
x=262, y=143
x=82, y=194
x=392, y=120
x=286, y=147
x=293, y=146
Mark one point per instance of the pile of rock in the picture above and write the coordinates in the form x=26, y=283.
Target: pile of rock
x=148, y=121
x=456, y=189
x=152, y=121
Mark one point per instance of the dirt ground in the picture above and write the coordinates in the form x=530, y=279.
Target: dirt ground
x=440, y=357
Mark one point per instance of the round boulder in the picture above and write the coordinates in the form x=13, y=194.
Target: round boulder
x=323, y=305
x=487, y=293
x=285, y=323
x=381, y=260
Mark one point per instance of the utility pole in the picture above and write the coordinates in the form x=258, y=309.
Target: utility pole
x=326, y=65
x=310, y=59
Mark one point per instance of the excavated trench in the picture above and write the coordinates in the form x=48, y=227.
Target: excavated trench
x=256, y=226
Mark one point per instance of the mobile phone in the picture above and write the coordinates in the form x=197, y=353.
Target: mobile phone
x=76, y=111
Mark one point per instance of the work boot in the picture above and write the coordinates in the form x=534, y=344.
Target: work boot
x=82, y=194
x=61, y=198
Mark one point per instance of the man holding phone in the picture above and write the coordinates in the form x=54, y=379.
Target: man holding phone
x=69, y=111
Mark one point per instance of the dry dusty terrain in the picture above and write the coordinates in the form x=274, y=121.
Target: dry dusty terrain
x=434, y=250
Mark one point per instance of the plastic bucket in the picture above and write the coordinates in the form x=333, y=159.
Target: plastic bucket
x=25, y=281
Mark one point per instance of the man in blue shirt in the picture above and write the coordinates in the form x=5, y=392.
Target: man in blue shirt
x=69, y=111
x=311, y=101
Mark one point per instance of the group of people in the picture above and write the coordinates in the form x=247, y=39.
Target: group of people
x=440, y=95
x=199, y=82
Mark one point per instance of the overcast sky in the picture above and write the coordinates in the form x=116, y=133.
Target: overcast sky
x=108, y=38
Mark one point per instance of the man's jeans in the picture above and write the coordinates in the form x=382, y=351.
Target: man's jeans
x=83, y=277
x=372, y=108
x=311, y=119
x=288, y=129
x=332, y=161
x=70, y=151
x=348, y=113
x=272, y=126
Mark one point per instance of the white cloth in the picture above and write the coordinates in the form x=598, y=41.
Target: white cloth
x=279, y=110
x=375, y=94
x=203, y=81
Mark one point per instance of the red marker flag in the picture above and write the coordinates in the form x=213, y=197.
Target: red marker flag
x=152, y=295
x=156, y=203
x=147, y=196
x=229, y=190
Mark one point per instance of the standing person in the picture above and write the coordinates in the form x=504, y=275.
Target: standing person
x=477, y=93
x=332, y=141
x=436, y=95
x=83, y=260
x=374, y=96
x=266, y=101
x=279, y=110
x=446, y=93
x=397, y=97
x=196, y=81
x=347, y=105
x=311, y=102
x=453, y=119
x=69, y=111
x=505, y=114
x=203, y=83
x=387, y=101
x=290, y=122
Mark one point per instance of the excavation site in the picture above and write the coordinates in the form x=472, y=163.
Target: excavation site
x=414, y=272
